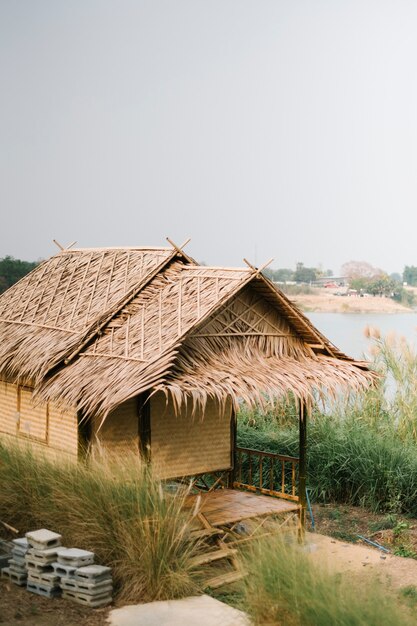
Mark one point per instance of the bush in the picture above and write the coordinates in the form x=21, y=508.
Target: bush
x=117, y=511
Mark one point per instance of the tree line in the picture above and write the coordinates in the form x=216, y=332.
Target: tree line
x=362, y=276
x=12, y=270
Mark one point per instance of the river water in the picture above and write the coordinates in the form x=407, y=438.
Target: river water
x=346, y=330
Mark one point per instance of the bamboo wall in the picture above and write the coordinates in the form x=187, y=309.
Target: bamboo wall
x=184, y=445
x=45, y=427
x=119, y=432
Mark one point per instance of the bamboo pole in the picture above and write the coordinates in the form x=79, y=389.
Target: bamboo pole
x=302, y=467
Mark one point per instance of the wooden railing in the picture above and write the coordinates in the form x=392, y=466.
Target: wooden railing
x=266, y=472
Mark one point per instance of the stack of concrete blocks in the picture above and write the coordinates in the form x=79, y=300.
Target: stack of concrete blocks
x=5, y=553
x=43, y=549
x=81, y=580
x=16, y=571
x=46, y=568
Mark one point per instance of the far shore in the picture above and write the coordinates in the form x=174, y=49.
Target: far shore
x=324, y=302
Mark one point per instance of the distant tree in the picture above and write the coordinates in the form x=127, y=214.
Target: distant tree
x=12, y=270
x=304, y=274
x=360, y=269
x=381, y=285
x=410, y=275
x=396, y=277
x=280, y=275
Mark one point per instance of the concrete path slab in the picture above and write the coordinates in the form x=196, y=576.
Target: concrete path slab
x=193, y=611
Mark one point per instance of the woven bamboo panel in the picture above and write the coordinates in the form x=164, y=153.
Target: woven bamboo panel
x=8, y=408
x=183, y=445
x=33, y=418
x=38, y=448
x=63, y=430
x=119, y=432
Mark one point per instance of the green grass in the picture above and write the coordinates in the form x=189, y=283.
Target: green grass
x=349, y=461
x=117, y=511
x=284, y=587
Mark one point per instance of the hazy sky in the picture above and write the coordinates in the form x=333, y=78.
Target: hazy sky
x=257, y=128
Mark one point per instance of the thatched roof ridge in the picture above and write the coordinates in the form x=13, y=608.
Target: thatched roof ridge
x=65, y=300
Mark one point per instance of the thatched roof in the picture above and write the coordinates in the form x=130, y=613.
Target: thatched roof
x=93, y=328
x=64, y=300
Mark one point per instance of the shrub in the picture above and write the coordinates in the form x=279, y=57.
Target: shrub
x=117, y=511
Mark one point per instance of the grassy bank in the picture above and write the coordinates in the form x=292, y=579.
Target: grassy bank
x=347, y=462
x=117, y=511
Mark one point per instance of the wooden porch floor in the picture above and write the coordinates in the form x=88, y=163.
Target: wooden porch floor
x=228, y=506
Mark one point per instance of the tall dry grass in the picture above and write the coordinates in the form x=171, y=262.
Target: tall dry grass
x=283, y=586
x=118, y=511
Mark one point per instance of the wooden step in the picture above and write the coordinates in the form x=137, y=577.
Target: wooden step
x=206, y=532
x=224, y=579
x=209, y=557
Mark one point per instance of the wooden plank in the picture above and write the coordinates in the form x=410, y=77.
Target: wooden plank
x=210, y=557
x=224, y=579
x=227, y=506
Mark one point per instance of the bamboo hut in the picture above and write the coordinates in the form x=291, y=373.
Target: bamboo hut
x=144, y=350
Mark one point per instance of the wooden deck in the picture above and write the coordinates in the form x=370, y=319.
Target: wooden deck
x=228, y=506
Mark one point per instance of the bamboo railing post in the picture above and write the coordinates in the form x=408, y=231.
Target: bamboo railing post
x=261, y=457
x=302, y=467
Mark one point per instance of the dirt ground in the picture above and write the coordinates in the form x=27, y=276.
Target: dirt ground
x=334, y=544
x=397, y=533
x=18, y=607
x=326, y=302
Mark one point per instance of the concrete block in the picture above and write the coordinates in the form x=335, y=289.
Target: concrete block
x=63, y=570
x=17, y=579
x=21, y=543
x=17, y=568
x=5, y=552
x=19, y=552
x=47, y=579
x=88, y=588
x=31, y=563
x=93, y=572
x=4, y=560
x=43, y=539
x=75, y=557
x=18, y=558
x=4, y=572
x=44, y=590
x=43, y=557
x=86, y=600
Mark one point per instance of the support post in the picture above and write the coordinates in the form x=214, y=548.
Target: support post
x=144, y=427
x=302, y=467
x=233, y=440
x=84, y=435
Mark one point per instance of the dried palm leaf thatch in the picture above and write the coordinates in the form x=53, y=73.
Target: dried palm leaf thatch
x=55, y=308
x=137, y=347
x=198, y=332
